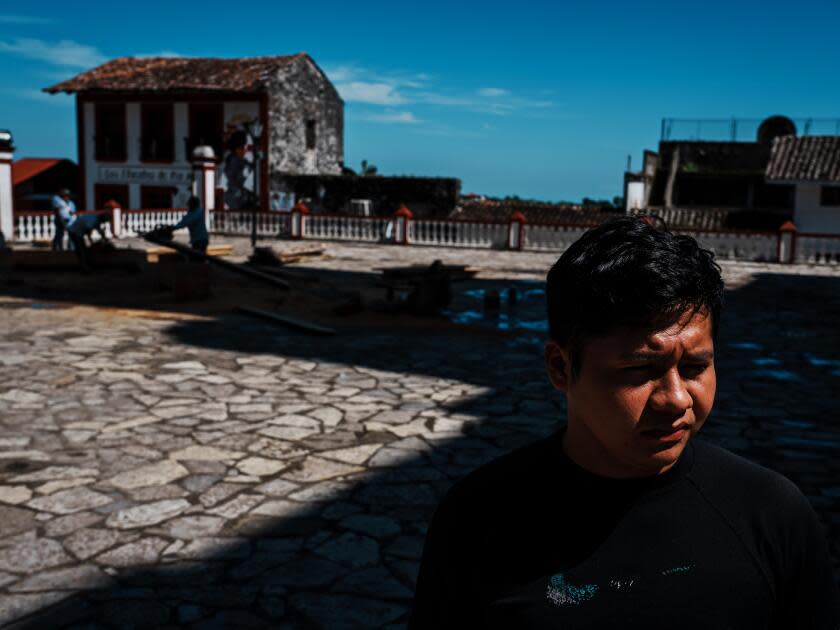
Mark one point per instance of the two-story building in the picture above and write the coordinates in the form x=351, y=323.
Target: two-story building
x=138, y=120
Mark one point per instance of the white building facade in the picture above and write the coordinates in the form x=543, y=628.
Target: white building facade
x=138, y=121
x=812, y=165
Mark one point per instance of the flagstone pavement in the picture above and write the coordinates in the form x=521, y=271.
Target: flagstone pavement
x=221, y=472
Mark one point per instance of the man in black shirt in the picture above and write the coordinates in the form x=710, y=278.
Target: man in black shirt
x=623, y=519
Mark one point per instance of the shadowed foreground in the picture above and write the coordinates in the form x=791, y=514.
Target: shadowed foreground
x=220, y=472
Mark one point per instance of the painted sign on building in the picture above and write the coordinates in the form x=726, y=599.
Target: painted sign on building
x=169, y=176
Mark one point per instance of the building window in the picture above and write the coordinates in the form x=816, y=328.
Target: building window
x=310, y=134
x=156, y=196
x=206, y=127
x=157, y=132
x=103, y=193
x=830, y=196
x=109, y=132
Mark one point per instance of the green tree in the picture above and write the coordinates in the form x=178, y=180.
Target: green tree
x=367, y=170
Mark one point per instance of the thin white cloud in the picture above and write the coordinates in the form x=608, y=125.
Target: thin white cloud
x=163, y=53
x=486, y=104
x=492, y=92
x=393, y=117
x=65, y=53
x=346, y=73
x=358, y=84
x=370, y=93
x=24, y=19
x=447, y=131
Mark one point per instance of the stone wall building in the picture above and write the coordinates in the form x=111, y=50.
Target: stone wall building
x=138, y=121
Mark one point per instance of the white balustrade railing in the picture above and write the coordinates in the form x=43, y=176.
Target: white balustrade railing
x=458, y=233
x=346, y=228
x=754, y=246
x=821, y=249
x=138, y=221
x=551, y=237
x=40, y=226
x=269, y=224
x=34, y=226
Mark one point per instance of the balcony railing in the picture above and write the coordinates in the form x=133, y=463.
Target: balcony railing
x=738, y=129
x=745, y=245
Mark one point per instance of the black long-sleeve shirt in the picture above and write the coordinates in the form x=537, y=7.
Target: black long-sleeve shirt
x=532, y=540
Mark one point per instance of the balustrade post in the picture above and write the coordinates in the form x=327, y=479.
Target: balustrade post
x=113, y=207
x=7, y=209
x=787, y=243
x=401, y=220
x=204, y=179
x=299, y=212
x=516, y=231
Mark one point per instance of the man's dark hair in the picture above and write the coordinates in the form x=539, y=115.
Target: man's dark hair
x=193, y=203
x=628, y=273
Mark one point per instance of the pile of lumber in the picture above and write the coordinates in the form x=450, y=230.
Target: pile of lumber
x=153, y=254
x=271, y=256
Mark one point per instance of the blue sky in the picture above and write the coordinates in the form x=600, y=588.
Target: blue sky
x=536, y=99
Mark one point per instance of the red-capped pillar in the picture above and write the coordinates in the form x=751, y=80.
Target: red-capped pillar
x=402, y=217
x=204, y=179
x=113, y=207
x=787, y=242
x=516, y=231
x=299, y=212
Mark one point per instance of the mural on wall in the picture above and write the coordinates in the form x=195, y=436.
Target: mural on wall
x=181, y=196
x=237, y=168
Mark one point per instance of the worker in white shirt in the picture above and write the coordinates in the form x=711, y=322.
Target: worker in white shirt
x=64, y=213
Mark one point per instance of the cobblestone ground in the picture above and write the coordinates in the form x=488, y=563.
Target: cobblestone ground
x=220, y=472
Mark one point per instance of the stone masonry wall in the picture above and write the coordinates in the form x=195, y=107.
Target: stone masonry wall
x=298, y=93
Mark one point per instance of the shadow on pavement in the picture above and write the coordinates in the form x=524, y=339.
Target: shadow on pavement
x=344, y=552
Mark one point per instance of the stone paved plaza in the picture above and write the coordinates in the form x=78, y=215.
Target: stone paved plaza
x=171, y=469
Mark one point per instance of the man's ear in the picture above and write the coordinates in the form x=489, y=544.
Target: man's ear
x=558, y=365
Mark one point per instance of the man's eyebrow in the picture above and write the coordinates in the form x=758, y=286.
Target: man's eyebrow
x=641, y=355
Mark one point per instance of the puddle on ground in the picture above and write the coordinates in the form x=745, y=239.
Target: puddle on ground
x=766, y=361
x=526, y=313
x=820, y=362
x=747, y=345
x=778, y=375
x=798, y=424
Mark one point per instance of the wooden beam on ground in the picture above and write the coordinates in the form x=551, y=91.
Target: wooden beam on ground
x=285, y=320
x=220, y=262
x=153, y=253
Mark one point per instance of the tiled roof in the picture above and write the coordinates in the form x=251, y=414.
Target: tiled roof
x=500, y=212
x=27, y=168
x=176, y=74
x=807, y=158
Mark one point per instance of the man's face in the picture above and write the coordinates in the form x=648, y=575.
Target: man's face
x=639, y=396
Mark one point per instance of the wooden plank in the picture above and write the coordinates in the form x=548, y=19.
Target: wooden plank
x=153, y=254
x=220, y=262
x=285, y=320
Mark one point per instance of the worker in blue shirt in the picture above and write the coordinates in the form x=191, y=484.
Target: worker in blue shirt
x=82, y=228
x=64, y=213
x=194, y=221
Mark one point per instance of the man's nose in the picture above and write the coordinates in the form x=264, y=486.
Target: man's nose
x=671, y=395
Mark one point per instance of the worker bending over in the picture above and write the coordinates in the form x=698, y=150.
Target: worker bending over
x=82, y=228
x=195, y=222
